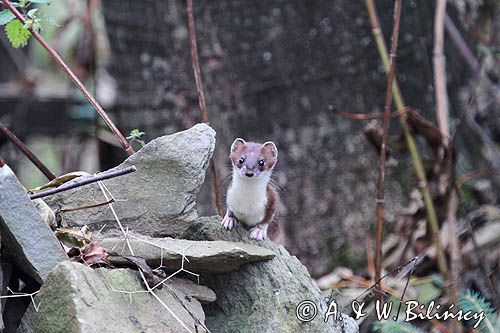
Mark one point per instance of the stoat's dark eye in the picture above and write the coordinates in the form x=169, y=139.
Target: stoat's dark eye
x=241, y=160
x=261, y=163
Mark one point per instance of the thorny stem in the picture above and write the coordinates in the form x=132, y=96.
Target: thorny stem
x=410, y=141
x=124, y=143
x=383, y=150
x=201, y=100
x=27, y=152
x=85, y=181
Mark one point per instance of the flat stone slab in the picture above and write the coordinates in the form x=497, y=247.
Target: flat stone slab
x=76, y=298
x=28, y=241
x=262, y=297
x=202, y=256
x=170, y=173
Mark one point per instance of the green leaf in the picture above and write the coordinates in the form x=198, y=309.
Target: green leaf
x=28, y=23
x=32, y=12
x=6, y=16
x=17, y=34
x=40, y=1
x=472, y=301
x=135, y=134
x=395, y=327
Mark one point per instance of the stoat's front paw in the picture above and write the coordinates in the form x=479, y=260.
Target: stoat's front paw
x=229, y=221
x=258, y=233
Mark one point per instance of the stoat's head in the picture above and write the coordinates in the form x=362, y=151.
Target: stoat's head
x=252, y=160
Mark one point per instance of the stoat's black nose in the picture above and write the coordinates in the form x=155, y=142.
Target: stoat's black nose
x=249, y=174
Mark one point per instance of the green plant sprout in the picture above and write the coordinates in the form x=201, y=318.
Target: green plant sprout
x=135, y=136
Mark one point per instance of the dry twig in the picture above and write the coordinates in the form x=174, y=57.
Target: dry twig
x=410, y=141
x=27, y=152
x=442, y=115
x=85, y=181
x=201, y=101
x=57, y=58
x=469, y=57
x=383, y=151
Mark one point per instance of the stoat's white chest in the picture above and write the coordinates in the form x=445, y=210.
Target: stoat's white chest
x=247, y=198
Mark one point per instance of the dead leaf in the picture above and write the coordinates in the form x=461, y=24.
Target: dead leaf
x=74, y=236
x=92, y=254
x=59, y=181
x=153, y=276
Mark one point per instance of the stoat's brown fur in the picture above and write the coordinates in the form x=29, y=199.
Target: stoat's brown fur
x=251, y=198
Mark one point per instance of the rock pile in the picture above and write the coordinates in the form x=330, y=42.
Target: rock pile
x=213, y=279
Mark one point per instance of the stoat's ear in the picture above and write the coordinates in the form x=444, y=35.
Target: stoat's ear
x=270, y=147
x=237, y=144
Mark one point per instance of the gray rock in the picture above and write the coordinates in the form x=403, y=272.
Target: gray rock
x=170, y=172
x=263, y=296
x=76, y=298
x=203, y=256
x=191, y=289
x=27, y=240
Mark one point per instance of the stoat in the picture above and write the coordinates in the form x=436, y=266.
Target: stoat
x=251, y=198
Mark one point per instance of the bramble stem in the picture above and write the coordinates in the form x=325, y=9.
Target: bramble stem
x=383, y=150
x=410, y=141
x=27, y=152
x=124, y=143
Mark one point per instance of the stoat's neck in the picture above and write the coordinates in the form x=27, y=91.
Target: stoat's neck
x=251, y=186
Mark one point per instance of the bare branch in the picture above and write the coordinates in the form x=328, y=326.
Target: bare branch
x=383, y=151
x=27, y=152
x=85, y=181
x=201, y=101
x=57, y=58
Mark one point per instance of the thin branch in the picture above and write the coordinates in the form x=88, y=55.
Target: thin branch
x=64, y=210
x=383, y=151
x=85, y=181
x=366, y=116
x=440, y=69
x=124, y=143
x=494, y=156
x=216, y=188
x=410, y=141
x=469, y=57
x=201, y=100
x=196, y=62
x=475, y=174
x=442, y=115
x=27, y=152
x=415, y=261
